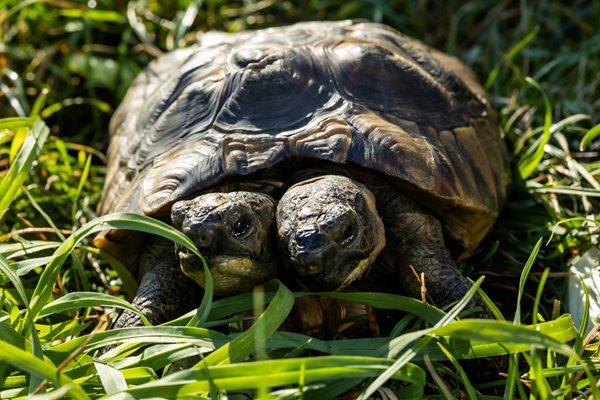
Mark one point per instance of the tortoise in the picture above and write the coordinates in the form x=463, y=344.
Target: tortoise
x=387, y=152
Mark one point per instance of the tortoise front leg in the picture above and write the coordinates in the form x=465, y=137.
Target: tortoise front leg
x=415, y=248
x=164, y=292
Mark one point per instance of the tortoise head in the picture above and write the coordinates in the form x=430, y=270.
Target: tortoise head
x=233, y=231
x=329, y=231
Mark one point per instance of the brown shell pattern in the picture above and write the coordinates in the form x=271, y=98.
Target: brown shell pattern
x=346, y=92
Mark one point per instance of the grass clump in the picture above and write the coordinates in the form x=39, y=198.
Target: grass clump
x=65, y=65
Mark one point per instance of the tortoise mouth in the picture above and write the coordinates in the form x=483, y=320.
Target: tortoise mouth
x=316, y=278
x=230, y=274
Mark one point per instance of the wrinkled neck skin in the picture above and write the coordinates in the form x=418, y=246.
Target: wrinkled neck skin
x=414, y=237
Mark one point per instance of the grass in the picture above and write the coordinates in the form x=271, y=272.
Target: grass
x=65, y=65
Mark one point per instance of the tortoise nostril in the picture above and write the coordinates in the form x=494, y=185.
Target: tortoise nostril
x=310, y=239
x=203, y=240
x=202, y=234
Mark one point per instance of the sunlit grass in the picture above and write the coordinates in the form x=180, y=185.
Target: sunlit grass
x=65, y=67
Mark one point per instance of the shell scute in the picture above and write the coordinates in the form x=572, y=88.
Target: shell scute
x=345, y=92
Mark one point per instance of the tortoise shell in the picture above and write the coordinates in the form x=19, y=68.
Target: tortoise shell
x=344, y=92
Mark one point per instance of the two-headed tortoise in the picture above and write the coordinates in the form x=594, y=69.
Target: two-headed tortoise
x=385, y=146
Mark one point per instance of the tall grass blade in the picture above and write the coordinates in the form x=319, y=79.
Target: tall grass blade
x=82, y=180
x=185, y=21
x=592, y=134
x=529, y=161
x=267, y=323
x=41, y=369
x=36, y=347
x=76, y=300
x=516, y=49
x=204, y=339
x=471, y=392
x=112, y=379
x=398, y=344
x=281, y=372
x=538, y=295
x=19, y=169
x=523, y=279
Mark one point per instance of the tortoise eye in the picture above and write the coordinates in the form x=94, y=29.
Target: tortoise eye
x=348, y=234
x=241, y=227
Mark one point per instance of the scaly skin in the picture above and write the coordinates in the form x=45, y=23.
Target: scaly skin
x=164, y=292
x=416, y=241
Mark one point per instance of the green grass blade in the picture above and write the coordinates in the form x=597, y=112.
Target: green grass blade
x=252, y=375
x=592, y=134
x=268, y=322
x=11, y=336
x=560, y=330
x=82, y=180
x=43, y=213
x=19, y=169
x=36, y=347
x=325, y=391
x=112, y=379
x=540, y=389
x=538, y=295
x=26, y=248
x=439, y=382
x=501, y=331
x=204, y=339
x=32, y=365
x=184, y=23
x=203, y=309
x=76, y=300
x=13, y=123
x=94, y=15
x=529, y=161
x=398, y=344
x=507, y=58
x=523, y=279
x=386, y=301
x=574, y=191
x=12, y=275
x=461, y=372
x=158, y=356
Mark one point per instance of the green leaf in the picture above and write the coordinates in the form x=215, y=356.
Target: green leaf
x=14, y=278
x=36, y=347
